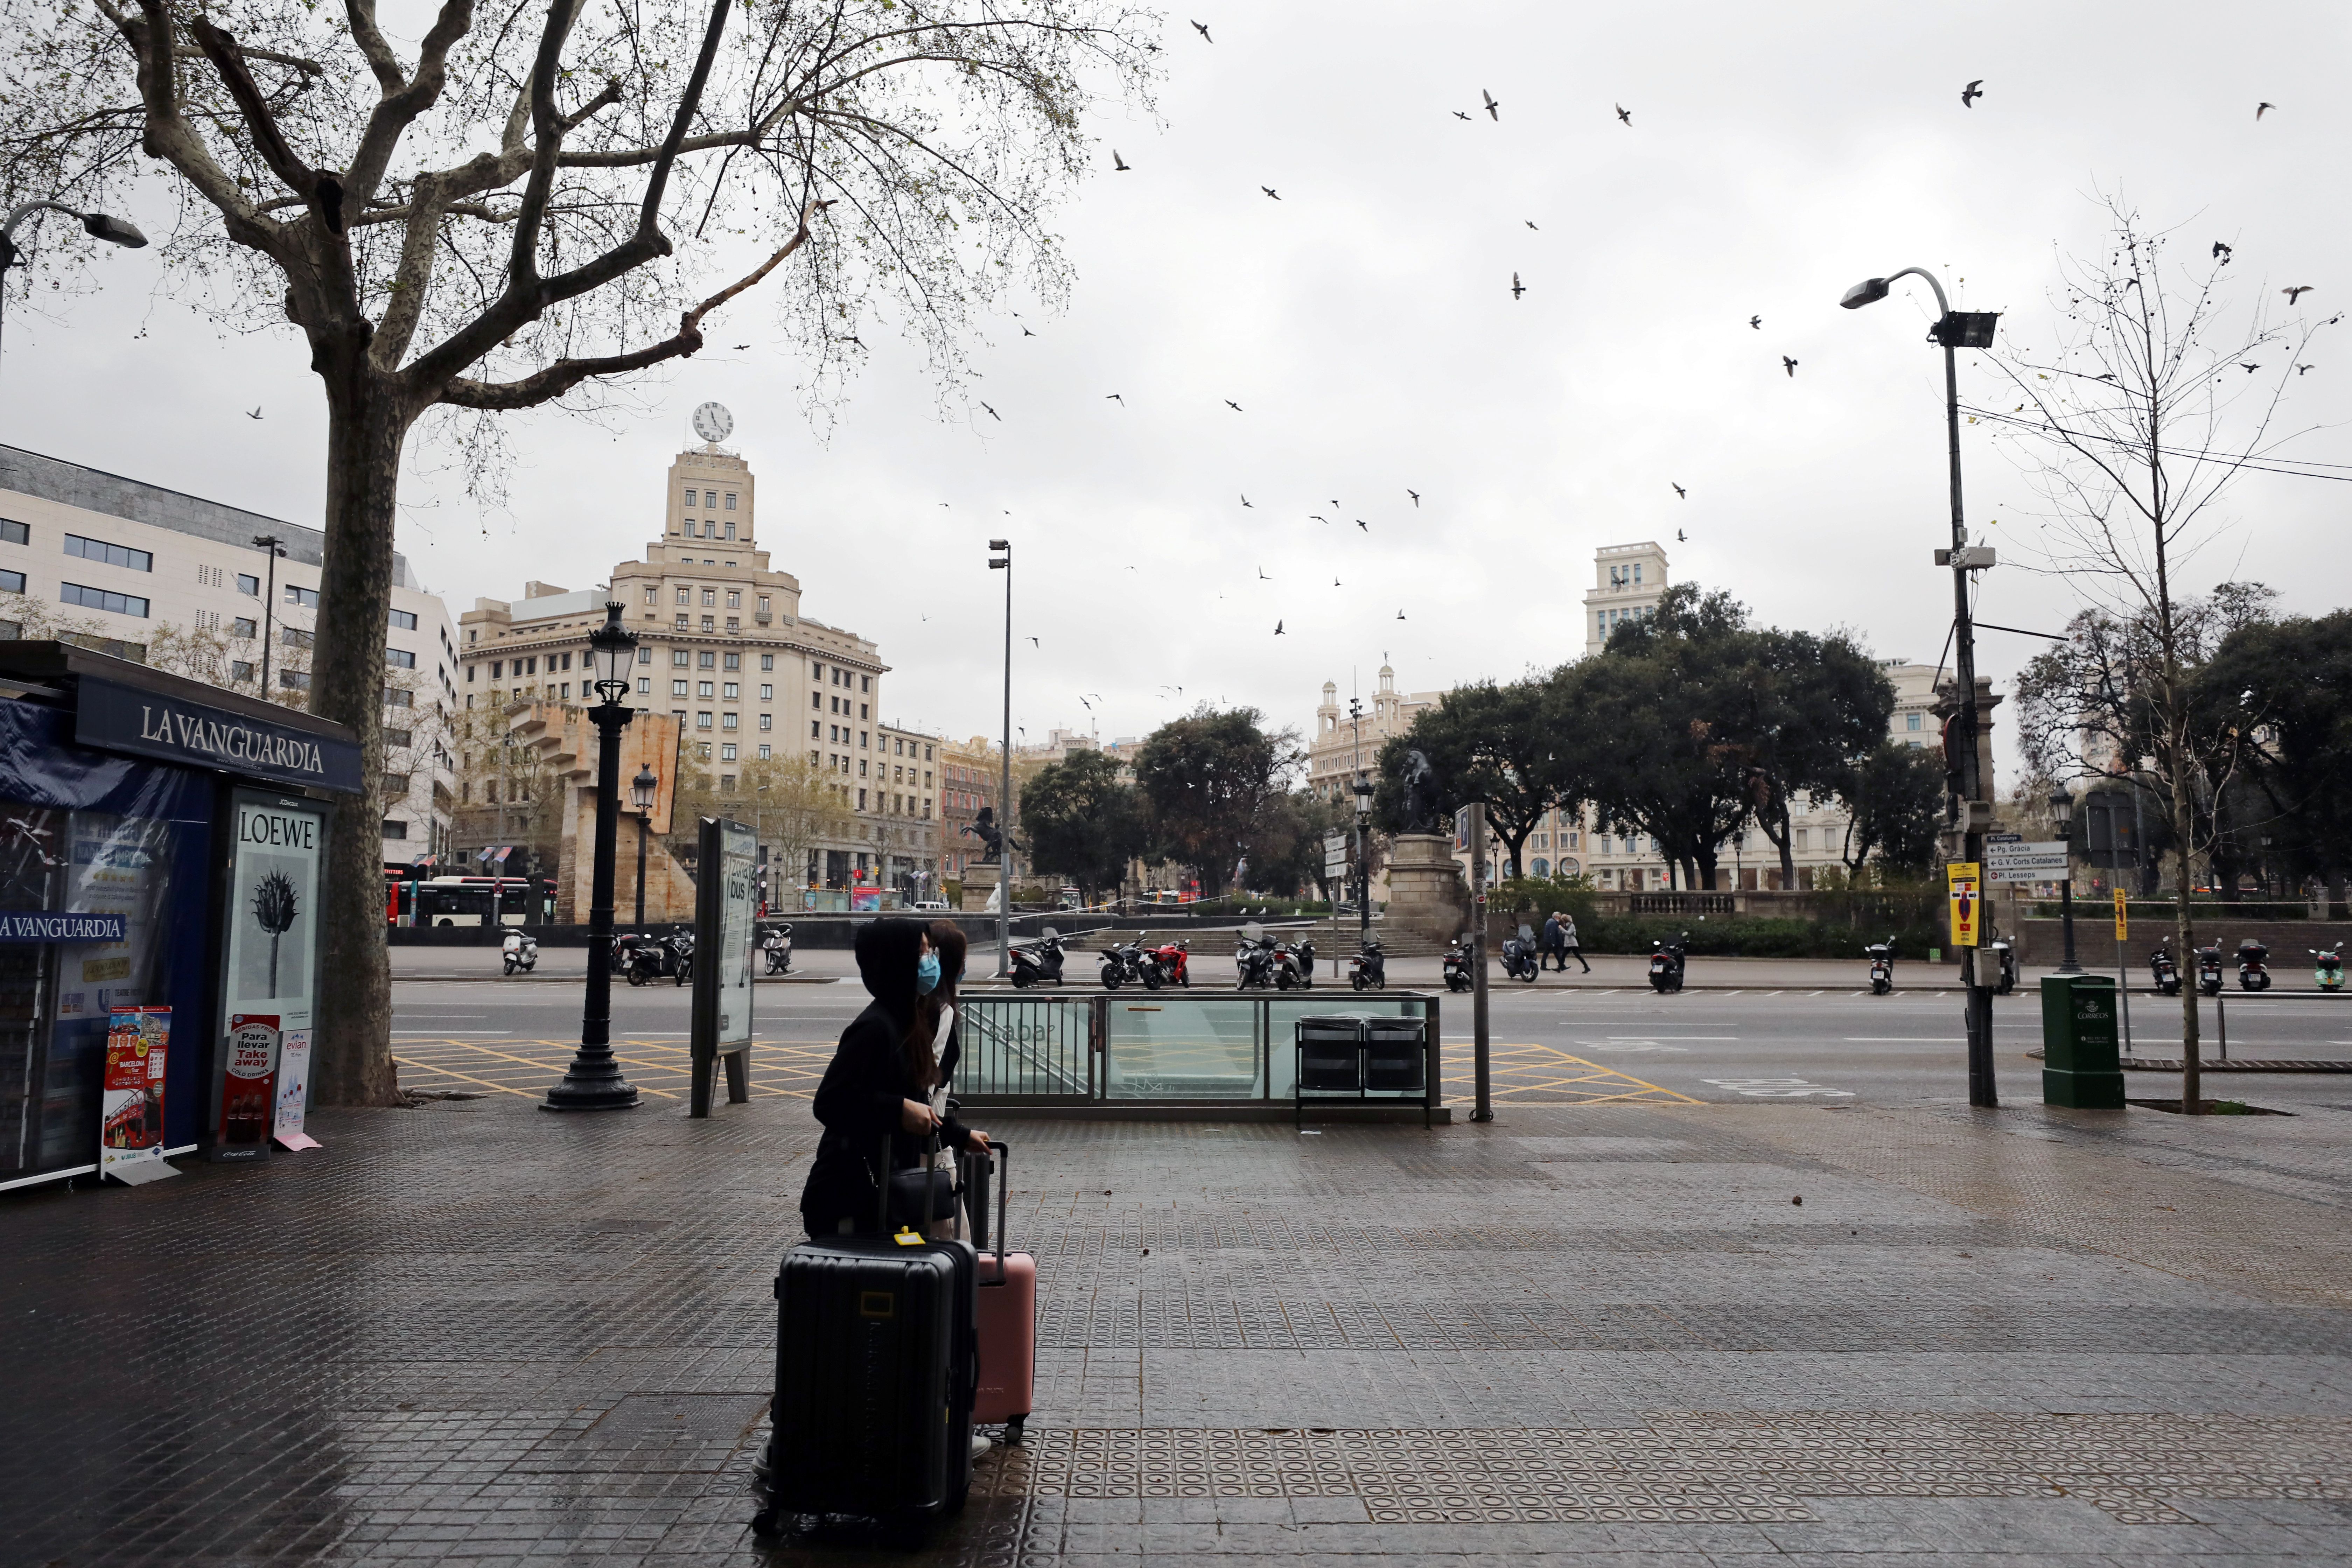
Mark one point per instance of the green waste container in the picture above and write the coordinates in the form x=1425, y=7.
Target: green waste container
x=2079, y=1066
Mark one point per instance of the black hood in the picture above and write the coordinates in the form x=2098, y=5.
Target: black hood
x=888, y=950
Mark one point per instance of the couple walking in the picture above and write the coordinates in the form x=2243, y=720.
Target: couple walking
x=1559, y=941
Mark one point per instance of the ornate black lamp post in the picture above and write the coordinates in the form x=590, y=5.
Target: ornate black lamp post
x=594, y=1082
x=2062, y=813
x=1363, y=859
x=641, y=795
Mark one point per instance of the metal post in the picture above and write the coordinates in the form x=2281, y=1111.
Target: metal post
x=267, y=543
x=2123, y=996
x=1480, y=1067
x=2221, y=1021
x=2066, y=916
x=643, y=817
x=1004, y=795
x=594, y=1082
x=1983, y=1088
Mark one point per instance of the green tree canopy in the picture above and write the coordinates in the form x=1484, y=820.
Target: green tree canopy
x=1208, y=782
x=2286, y=681
x=1894, y=799
x=1084, y=821
x=1509, y=746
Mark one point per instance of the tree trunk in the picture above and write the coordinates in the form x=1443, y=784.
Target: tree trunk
x=1788, y=860
x=352, y=1064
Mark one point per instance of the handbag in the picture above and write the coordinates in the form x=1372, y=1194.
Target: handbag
x=921, y=1196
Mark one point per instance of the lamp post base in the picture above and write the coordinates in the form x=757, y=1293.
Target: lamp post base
x=590, y=1085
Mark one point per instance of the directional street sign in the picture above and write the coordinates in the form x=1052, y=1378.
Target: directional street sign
x=2019, y=862
x=1334, y=854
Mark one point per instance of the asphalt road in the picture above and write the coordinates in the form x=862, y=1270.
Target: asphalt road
x=1829, y=1045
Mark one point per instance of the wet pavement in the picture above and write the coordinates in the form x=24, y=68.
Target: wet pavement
x=1601, y=1332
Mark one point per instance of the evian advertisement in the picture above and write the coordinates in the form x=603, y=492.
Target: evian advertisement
x=267, y=999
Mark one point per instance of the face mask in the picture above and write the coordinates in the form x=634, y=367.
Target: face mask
x=927, y=975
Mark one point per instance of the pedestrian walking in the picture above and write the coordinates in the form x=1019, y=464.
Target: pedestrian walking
x=880, y=1084
x=1553, y=951
x=1569, y=944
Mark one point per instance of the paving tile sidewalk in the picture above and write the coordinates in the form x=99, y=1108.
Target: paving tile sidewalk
x=475, y=1331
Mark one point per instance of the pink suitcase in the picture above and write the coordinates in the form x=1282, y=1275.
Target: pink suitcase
x=1006, y=1324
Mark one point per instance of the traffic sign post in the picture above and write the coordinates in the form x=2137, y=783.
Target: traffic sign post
x=2015, y=860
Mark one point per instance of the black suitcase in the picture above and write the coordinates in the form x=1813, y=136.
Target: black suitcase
x=877, y=1358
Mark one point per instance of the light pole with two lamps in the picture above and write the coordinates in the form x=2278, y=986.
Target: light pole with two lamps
x=1969, y=812
x=1363, y=860
x=1004, y=799
x=641, y=795
x=2061, y=814
x=594, y=1082
x=97, y=226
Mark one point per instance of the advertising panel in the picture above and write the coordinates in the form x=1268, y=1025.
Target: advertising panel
x=293, y=1090
x=2122, y=917
x=130, y=1125
x=1965, y=892
x=270, y=963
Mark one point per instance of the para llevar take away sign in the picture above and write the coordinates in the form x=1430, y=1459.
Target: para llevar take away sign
x=1966, y=891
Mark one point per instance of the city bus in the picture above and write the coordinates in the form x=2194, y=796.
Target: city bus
x=479, y=901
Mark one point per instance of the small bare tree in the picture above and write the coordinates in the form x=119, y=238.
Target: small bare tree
x=2152, y=398
x=524, y=204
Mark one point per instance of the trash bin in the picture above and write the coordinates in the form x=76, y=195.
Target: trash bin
x=1396, y=1054
x=1331, y=1055
x=2080, y=1066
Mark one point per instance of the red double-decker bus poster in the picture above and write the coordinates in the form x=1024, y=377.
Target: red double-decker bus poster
x=250, y=1070
x=130, y=1125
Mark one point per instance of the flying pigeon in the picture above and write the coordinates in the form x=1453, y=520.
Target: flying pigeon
x=1416, y=497
x=1277, y=628
x=2300, y=368
x=1269, y=191
x=1494, y=110
x=1231, y=405
x=1246, y=501
x=1335, y=582
x=1531, y=224
x=1756, y=322
x=1624, y=115
x=1679, y=490
x=1400, y=615
x=1459, y=115
x=1262, y=576
x=2261, y=107
x=2220, y=250
x=1114, y=397
x=2296, y=292
x=1201, y=28
x=992, y=413
x=1791, y=365
x=1971, y=93
x=254, y=412
x=2249, y=368
x=1034, y=643
x=1117, y=164
x=1681, y=538
x=1518, y=287
x=1362, y=524
x=1321, y=518
x=1027, y=333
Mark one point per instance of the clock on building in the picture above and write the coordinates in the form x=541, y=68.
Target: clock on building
x=712, y=421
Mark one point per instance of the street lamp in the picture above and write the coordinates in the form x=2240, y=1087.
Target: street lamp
x=97, y=226
x=2062, y=813
x=1363, y=860
x=594, y=1082
x=641, y=795
x=1004, y=797
x=1969, y=810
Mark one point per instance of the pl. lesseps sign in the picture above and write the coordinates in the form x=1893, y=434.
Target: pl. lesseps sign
x=124, y=719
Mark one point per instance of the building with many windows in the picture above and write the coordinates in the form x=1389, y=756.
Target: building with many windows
x=726, y=652
x=177, y=581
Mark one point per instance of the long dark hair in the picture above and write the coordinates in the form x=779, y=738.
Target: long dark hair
x=887, y=951
x=948, y=942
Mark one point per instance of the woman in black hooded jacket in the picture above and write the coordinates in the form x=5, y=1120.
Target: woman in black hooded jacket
x=879, y=1084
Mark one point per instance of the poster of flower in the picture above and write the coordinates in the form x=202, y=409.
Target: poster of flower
x=267, y=1003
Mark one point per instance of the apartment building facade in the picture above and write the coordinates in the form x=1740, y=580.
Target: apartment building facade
x=177, y=580
x=725, y=651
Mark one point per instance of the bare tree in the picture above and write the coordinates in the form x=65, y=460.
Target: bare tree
x=2153, y=396
x=514, y=212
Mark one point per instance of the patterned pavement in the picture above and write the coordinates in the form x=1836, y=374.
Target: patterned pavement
x=1615, y=1330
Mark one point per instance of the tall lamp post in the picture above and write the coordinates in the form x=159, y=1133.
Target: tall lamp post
x=2062, y=813
x=1363, y=860
x=269, y=545
x=594, y=1082
x=1004, y=797
x=97, y=226
x=641, y=795
x=1969, y=813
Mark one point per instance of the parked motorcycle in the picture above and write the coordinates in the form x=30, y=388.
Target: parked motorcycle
x=2327, y=967
x=777, y=948
x=1519, y=961
x=1254, y=960
x=2004, y=974
x=651, y=958
x=2164, y=971
x=1369, y=970
x=1173, y=960
x=1038, y=962
x=2253, y=965
x=1668, y=962
x=1123, y=963
x=1457, y=966
x=520, y=952
x=1882, y=966
x=1293, y=965
x=2209, y=970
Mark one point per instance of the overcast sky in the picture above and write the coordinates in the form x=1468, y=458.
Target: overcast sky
x=1365, y=324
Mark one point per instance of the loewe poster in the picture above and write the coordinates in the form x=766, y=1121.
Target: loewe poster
x=273, y=923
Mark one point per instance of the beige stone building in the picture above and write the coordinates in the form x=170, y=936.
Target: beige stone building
x=1628, y=580
x=176, y=581
x=1347, y=741
x=726, y=652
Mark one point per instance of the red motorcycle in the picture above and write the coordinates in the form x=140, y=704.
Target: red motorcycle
x=1171, y=958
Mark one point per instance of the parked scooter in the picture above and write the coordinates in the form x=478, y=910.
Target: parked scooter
x=1368, y=969
x=1293, y=965
x=2253, y=965
x=1668, y=962
x=1457, y=966
x=1038, y=962
x=2209, y=970
x=777, y=947
x=2164, y=971
x=2004, y=974
x=651, y=958
x=520, y=952
x=1173, y=960
x=1519, y=962
x=1254, y=960
x=1882, y=966
x=2327, y=967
